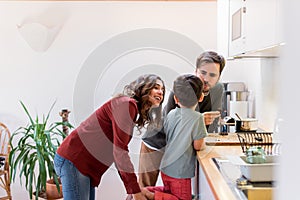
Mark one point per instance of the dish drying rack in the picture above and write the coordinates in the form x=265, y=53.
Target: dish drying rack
x=259, y=139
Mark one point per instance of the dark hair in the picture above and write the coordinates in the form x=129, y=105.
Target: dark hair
x=210, y=57
x=140, y=90
x=188, y=89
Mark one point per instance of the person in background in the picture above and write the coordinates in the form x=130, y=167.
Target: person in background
x=103, y=138
x=209, y=66
x=185, y=132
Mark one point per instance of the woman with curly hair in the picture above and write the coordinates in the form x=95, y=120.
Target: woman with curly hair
x=103, y=138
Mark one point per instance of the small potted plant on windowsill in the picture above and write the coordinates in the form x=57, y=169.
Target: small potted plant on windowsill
x=32, y=156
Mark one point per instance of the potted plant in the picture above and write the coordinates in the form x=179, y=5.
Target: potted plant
x=32, y=156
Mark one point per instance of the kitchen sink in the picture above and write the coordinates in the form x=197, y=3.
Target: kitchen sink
x=240, y=186
x=230, y=173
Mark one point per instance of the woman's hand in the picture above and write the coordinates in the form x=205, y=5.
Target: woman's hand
x=139, y=196
x=149, y=195
x=210, y=116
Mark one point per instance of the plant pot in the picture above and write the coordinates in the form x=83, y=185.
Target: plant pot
x=51, y=190
x=43, y=196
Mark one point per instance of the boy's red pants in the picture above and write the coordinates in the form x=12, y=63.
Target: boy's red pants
x=173, y=189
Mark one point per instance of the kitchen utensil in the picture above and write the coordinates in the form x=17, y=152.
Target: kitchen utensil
x=247, y=124
x=225, y=125
x=263, y=172
x=260, y=172
x=239, y=95
x=238, y=116
x=229, y=120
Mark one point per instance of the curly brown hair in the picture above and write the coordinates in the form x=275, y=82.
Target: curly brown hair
x=140, y=90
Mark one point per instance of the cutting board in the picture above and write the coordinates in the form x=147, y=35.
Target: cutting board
x=215, y=139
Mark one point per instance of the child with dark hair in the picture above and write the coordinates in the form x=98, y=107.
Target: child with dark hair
x=185, y=131
x=209, y=67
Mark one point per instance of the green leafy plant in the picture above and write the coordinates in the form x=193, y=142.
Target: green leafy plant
x=34, y=152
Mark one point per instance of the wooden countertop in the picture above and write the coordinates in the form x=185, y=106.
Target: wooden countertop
x=217, y=183
x=215, y=139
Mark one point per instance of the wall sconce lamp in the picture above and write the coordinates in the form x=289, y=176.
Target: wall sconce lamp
x=37, y=35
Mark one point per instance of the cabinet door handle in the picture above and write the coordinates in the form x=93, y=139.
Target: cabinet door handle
x=244, y=9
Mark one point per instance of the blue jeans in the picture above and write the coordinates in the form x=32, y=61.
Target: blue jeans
x=75, y=186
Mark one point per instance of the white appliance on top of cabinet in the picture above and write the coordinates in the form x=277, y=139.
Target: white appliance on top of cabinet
x=254, y=28
x=237, y=27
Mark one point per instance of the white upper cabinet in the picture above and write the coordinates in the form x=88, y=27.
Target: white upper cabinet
x=260, y=24
x=254, y=27
x=237, y=27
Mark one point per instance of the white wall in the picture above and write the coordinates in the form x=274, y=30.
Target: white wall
x=39, y=78
x=289, y=105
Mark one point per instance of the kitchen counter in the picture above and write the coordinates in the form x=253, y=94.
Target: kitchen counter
x=217, y=184
x=220, y=182
x=215, y=139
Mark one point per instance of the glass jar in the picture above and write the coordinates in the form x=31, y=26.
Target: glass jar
x=255, y=155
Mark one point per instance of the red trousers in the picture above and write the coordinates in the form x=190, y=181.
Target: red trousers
x=173, y=189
